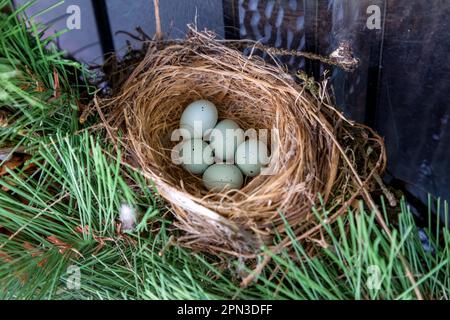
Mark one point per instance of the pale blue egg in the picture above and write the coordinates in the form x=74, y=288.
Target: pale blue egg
x=250, y=156
x=199, y=117
x=196, y=156
x=223, y=177
x=225, y=138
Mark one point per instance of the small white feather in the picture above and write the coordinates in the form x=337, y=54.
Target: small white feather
x=127, y=217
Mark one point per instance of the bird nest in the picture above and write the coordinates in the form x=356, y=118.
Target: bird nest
x=319, y=159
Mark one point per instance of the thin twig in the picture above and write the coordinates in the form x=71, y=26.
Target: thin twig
x=341, y=57
x=158, y=32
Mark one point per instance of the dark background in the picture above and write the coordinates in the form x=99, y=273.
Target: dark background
x=402, y=88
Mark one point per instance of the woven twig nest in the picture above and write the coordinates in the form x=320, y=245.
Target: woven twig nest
x=321, y=159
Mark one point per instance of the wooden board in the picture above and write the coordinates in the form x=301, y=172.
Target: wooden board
x=175, y=16
x=413, y=112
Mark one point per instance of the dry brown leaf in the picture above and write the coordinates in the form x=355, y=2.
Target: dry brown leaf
x=12, y=164
x=5, y=257
x=63, y=247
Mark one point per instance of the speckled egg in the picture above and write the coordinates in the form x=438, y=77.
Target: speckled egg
x=250, y=156
x=196, y=156
x=224, y=139
x=223, y=177
x=199, y=117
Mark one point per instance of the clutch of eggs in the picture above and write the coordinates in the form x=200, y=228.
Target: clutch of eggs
x=227, y=146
